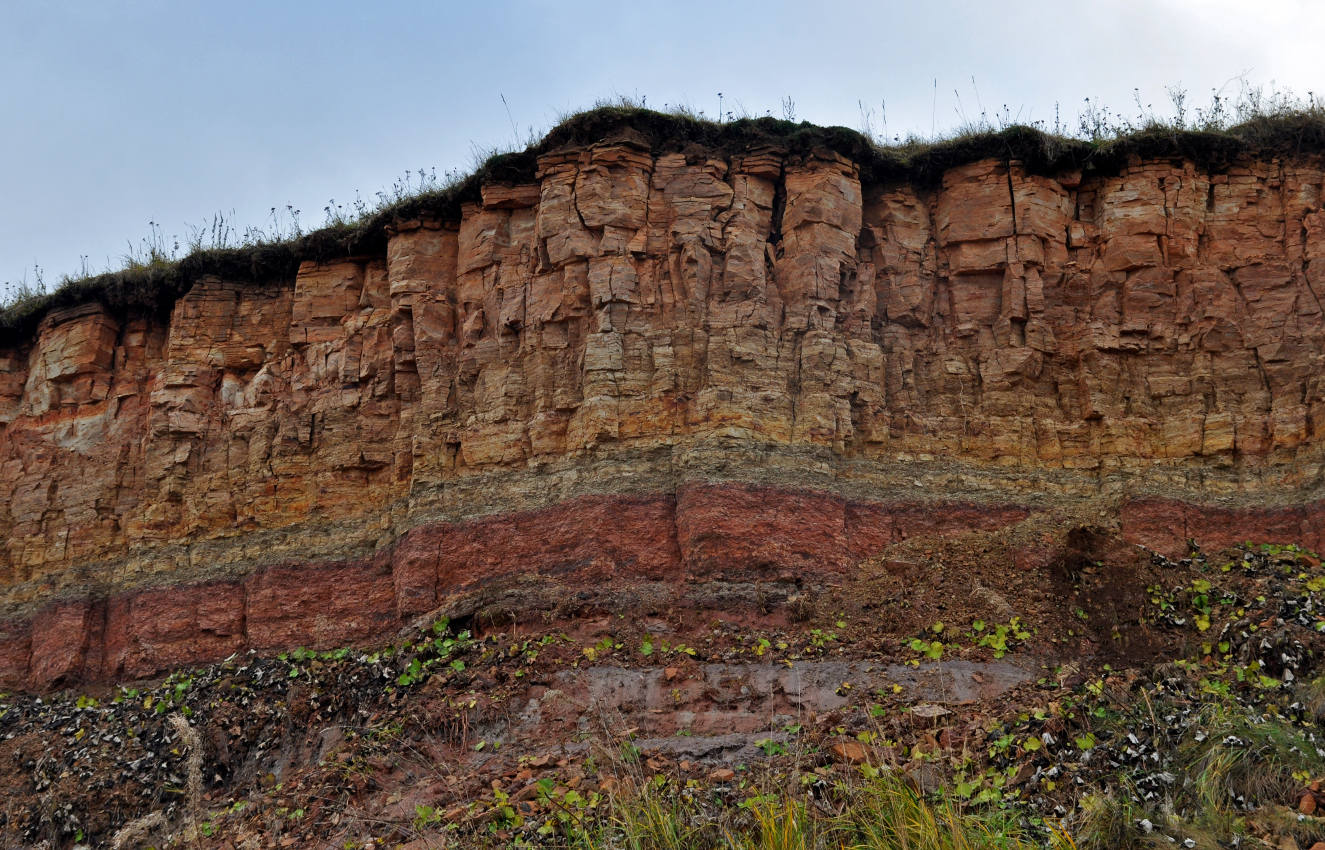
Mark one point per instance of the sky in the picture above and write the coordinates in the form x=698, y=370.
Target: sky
x=146, y=119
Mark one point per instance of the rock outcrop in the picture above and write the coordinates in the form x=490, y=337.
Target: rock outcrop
x=661, y=366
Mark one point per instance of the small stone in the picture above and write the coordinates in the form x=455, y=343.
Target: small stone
x=852, y=752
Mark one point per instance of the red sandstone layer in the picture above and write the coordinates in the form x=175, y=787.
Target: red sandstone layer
x=1168, y=526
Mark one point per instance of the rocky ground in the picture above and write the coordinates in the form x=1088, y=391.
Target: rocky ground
x=1105, y=692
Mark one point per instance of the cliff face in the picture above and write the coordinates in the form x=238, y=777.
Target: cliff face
x=662, y=366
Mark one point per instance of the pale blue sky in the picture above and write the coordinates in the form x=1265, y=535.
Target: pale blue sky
x=121, y=113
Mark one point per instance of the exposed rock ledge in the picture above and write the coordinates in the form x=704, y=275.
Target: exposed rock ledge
x=588, y=375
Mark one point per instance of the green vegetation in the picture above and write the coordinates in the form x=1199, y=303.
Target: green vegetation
x=156, y=274
x=999, y=638
x=881, y=812
x=1226, y=765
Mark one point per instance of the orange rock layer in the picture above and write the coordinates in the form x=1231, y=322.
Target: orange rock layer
x=632, y=328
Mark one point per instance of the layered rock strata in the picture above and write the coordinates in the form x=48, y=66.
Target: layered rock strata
x=654, y=366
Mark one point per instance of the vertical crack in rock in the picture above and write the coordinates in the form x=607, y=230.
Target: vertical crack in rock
x=779, y=208
x=1012, y=196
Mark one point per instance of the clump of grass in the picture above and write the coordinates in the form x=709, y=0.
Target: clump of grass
x=20, y=297
x=1233, y=766
x=640, y=819
x=1251, y=758
x=888, y=813
x=883, y=812
x=1109, y=820
x=1311, y=693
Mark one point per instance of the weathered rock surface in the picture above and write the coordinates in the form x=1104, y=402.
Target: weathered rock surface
x=661, y=366
x=721, y=712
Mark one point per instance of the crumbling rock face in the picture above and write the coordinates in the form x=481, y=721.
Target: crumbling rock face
x=661, y=366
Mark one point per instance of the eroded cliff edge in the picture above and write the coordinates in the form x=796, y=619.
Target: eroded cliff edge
x=661, y=366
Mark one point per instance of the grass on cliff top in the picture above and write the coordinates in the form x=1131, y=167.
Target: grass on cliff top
x=1278, y=125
